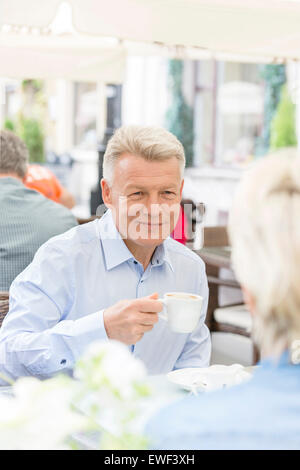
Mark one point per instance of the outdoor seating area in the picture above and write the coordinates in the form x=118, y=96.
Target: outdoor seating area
x=233, y=318
x=149, y=238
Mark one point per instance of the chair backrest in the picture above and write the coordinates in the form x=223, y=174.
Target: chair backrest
x=216, y=236
x=4, y=305
x=87, y=220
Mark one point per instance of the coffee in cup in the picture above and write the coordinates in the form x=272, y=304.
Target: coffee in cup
x=181, y=310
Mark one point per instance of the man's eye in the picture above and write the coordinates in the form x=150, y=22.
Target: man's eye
x=169, y=193
x=138, y=193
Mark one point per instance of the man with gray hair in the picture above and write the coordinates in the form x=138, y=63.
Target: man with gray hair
x=27, y=219
x=102, y=280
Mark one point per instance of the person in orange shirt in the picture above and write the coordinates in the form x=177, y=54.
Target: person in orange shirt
x=45, y=182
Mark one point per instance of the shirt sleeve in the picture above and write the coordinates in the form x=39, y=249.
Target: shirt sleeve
x=36, y=337
x=197, y=349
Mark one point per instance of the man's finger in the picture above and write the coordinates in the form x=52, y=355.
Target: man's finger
x=149, y=305
x=148, y=318
x=145, y=328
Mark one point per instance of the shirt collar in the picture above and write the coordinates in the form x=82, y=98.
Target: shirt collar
x=115, y=250
x=11, y=180
x=275, y=363
x=161, y=255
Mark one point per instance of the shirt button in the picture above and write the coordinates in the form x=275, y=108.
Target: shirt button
x=63, y=361
x=135, y=262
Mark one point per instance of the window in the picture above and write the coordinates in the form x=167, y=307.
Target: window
x=85, y=134
x=240, y=110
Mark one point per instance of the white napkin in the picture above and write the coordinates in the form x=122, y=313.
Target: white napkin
x=219, y=376
x=209, y=378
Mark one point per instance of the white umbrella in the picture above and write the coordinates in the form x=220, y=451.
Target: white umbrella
x=68, y=56
x=231, y=29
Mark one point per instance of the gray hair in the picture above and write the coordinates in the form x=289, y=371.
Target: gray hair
x=264, y=230
x=13, y=154
x=149, y=142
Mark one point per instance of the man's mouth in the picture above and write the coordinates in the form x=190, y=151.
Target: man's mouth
x=151, y=224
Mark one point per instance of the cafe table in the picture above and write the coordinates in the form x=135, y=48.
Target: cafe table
x=163, y=393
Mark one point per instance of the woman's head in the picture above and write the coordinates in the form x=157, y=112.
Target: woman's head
x=264, y=230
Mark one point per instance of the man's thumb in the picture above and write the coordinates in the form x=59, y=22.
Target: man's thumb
x=153, y=296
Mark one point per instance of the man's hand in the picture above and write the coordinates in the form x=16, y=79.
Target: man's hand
x=128, y=320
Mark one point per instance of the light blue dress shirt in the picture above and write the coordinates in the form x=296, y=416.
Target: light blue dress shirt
x=263, y=413
x=57, y=302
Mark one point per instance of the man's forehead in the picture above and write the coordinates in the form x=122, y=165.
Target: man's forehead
x=149, y=183
x=147, y=179
x=132, y=166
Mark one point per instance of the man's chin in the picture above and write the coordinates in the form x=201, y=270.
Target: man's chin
x=143, y=241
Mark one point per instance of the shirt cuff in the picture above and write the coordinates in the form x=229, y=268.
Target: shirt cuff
x=88, y=329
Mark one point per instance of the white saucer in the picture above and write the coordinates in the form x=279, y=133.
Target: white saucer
x=209, y=378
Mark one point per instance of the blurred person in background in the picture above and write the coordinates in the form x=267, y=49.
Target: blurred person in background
x=27, y=218
x=45, y=182
x=264, y=412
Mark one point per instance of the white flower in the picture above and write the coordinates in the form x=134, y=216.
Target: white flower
x=109, y=387
x=39, y=415
x=110, y=362
x=116, y=381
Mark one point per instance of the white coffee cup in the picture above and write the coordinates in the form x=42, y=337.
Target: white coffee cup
x=181, y=310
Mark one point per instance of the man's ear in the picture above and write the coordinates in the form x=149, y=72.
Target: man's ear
x=106, y=193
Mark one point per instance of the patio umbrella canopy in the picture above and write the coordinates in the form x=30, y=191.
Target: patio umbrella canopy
x=228, y=29
x=67, y=56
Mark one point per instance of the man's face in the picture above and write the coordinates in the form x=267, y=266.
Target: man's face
x=144, y=198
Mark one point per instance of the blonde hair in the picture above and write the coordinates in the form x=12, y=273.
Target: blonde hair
x=148, y=142
x=264, y=229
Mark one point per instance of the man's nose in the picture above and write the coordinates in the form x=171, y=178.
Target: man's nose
x=152, y=203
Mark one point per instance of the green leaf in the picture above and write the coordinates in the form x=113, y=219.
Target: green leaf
x=30, y=131
x=283, y=131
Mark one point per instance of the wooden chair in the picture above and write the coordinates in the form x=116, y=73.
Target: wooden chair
x=215, y=236
x=4, y=305
x=215, y=260
x=86, y=220
x=232, y=318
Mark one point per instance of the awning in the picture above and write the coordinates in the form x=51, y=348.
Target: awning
x=256, y=30
x=69, y=57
